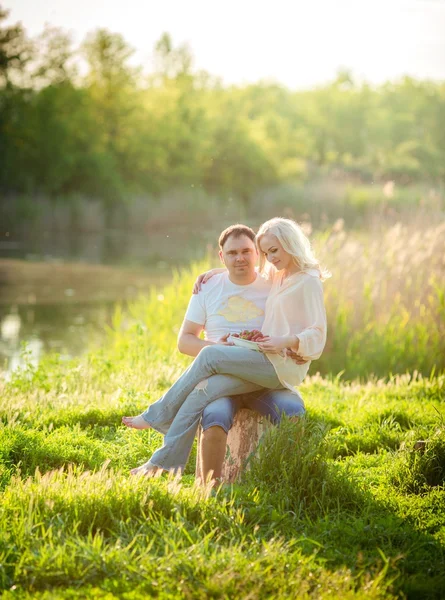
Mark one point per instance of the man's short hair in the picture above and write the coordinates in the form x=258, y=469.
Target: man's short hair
x=236, y=231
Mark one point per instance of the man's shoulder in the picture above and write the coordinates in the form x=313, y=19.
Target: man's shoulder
x=215, y=282
x=221, y=281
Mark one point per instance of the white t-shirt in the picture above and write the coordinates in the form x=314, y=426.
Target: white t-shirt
x=223, y=307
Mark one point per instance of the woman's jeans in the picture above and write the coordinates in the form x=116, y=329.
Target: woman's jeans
x=216, y=372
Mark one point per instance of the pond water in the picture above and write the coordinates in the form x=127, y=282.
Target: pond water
x=57, y=292
x=63, y=328
x=155, y=249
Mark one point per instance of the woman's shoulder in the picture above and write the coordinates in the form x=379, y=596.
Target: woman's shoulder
x=312, y=281
x=309, y=276
x=308, y=280
x=312, y=273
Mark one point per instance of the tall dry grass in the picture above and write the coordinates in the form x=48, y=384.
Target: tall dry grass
x=386, y=299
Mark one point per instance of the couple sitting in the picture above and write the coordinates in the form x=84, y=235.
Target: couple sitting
x=285, y=300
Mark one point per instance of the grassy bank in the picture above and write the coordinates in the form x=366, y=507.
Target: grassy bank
x=345, y=507
x=342, y=508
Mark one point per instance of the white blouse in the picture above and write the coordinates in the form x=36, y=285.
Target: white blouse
x=295, y=307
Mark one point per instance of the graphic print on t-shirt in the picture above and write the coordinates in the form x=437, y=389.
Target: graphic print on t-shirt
x=239, y=309
x=223, y=307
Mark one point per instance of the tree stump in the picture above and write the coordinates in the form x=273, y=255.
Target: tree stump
x=242, y=441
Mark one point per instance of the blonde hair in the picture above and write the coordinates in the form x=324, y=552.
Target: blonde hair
x=291, y=237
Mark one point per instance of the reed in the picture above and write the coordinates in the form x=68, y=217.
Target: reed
x=386, y=299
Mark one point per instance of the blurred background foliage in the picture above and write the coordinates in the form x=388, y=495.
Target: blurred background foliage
x=86, y=122
x=158, y=163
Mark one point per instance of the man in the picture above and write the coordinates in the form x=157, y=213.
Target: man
x=228, y=303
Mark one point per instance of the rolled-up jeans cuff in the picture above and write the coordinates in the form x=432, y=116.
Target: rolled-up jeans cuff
x=159, y=427
x=224, y=427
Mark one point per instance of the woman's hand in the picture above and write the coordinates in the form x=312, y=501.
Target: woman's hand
x=296, y=358
x=285, y=345
x=205, y=277
x=274, y=344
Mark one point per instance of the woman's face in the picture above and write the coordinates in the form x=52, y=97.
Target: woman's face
x=275, y=253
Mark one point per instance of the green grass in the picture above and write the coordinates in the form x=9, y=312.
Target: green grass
x=341, y=505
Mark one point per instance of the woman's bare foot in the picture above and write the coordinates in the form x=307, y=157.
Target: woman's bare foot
x=147, y=469
x=136, y=422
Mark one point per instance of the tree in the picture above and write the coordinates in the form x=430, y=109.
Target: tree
x=170, y=62
x=237, y=164
x=112, y=85
x=53, y=62
x=15, y=50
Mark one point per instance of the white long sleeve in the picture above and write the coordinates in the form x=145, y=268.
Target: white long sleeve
x=296, y=308
x=313, y=338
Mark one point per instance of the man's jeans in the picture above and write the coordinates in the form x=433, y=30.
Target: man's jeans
x=272, y=404
x=217, y=371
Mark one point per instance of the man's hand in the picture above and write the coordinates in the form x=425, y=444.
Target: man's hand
x=298, y=360
x=223, y=340
x=204, y=277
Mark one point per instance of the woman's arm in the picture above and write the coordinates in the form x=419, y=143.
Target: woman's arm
x=205, y=277
x=276, y=344
x=312, y=339
x=310, y=342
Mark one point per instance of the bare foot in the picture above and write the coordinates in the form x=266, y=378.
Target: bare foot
x=147, y=469
x=136, y=422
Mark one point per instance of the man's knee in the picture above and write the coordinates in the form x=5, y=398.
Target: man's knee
x=276, y=403
x=292, y=406
x=218, y=413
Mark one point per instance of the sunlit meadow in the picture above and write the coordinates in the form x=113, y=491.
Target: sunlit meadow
x=348, y=504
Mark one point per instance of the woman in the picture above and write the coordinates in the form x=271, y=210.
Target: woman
x=295, y=318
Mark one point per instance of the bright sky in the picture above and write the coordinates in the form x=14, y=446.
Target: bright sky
x=298, y=43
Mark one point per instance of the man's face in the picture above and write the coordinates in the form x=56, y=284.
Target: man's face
x=239, y=255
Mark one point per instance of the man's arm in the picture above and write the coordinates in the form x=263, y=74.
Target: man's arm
x=189, y=341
